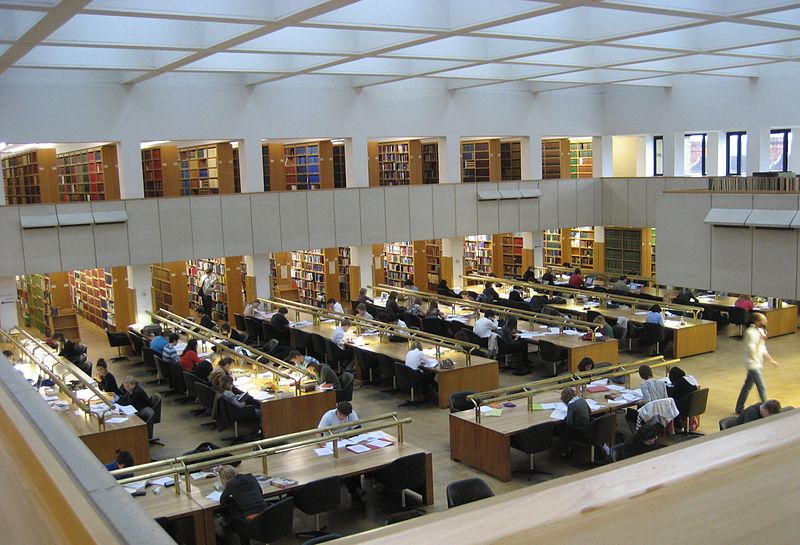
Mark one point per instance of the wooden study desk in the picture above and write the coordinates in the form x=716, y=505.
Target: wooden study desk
x=692, y=338
x=482, y=374
x=302, y=465
x=782, y=321
x=487, y=445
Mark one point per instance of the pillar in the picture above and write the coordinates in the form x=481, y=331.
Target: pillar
x=673, y=154
x=757, y=150
x=452, y=160
x=140, y=281
x=602, y=156
x=794, y=151
x=715, y=153
x=356, y=161
x=361, y=257
x=453, y=248
x=8, y=302
x=258, y=269
x=251, y=167
x=530, y=155
x=129, y=157
x=441, y=149
x=537, y=243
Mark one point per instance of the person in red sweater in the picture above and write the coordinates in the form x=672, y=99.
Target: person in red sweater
x=576, y=280
x=189, y=357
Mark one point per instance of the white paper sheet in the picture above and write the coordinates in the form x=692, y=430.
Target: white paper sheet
x=200, y=475
x=117, y=420
x=137, y=485
x=163, y=481
x=214, y=496
x=558, y=414
x=126, y=409
x=261, y=396
x=379, y=443
x=323, y=451
x=616, y=387
x=358, y=449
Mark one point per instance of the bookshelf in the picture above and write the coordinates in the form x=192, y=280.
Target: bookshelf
x=551, y=250
x=478, y=255
x=399, y=163
x=581, y=242
x=398, y=263
x=31, y=177
x=160, y=172
x=480, y=160
x=265, y=166
x=433, y=260
x=555, y=158
x=653, y=252
x=237, y=180
x=207, y=169
x=430, y=163
x=623, y=250
x=339, y=167
x=315, y=273
x=102, y=297
x=281, y=281
x=510, y=161
x=168, y=287
x=343, y=264
x=580, y=159
x=88, y=174
x=511, y=255
x=45, y=299
x=308, y=166
x=228, y=295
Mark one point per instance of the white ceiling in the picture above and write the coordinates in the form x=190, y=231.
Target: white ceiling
x=537, y=46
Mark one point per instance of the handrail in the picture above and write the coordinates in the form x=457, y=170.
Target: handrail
x=528, y=315
x=601, y=274
x=385, y=329
x=529, y=389
x=250, y=349
x=83, y=378
x=260, y=449
x=220, y=345
x=604, y=297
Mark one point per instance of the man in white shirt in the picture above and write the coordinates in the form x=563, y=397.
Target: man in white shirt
x=335, y=306
x=755, y=352
x=417, y=359
x=484, y=326
x=343, y=412
x=252, y=308
x=340, y=333
x=208, y=282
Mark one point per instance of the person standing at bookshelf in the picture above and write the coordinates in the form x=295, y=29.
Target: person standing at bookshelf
x=208, y=283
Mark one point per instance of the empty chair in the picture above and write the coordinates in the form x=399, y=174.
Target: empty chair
x=404, y=473
x=318, y=497
x=253, y=328
x=739, y=317
x=268, y=332
x=536, y=438
x=554, y=354
x=152, y=416
x=367, y=367
x=692, y=404
x=409, y=379
x=601, y=431
x=190, y=380
x=459, y=401
x=538, y=302
x=634, y=333
x=654, y=334
x=347, y=380
x=336, y=357
x=386, y=369
x=271, y=524
x=162, y=371
x=148, y=356
x=467, y=491
x=177, y=384
x=238, y=321
x=437, y=326
x=118, y=340
x=318, y=347
x=136, y=342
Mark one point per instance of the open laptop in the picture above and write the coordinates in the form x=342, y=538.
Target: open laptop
x=588, y=281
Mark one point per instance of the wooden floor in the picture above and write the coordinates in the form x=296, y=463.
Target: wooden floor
x=721, y=371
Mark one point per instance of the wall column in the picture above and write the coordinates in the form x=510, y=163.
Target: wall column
x=361, y=257
x=356, y=161
x=452, y=160
x=537, y=243
x=251, y=167
x=258, y=269
x=602, y=156
x=2, y=186
x=129, y=156
x=531, y=157
x=757, y=150
x=673, y=154
x=794, y=151
x=453, y=248
x=715, y=153
x=8, y=302
x=140, y=281
x=441, y=149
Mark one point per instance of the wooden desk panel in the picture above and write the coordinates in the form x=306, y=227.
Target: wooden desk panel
x=284, y=415
x=133, y=438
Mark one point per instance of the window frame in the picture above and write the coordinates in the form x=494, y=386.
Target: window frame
x=785, y=133
x=703, y=151
x=738, y=135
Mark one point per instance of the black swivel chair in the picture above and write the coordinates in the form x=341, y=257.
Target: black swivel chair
x=634, y=333
x=190, y=380
x=152, y=416
x=237, y=415
x=739, y=317
x=272, y=524
x=301, y=341
x=386, y=371
x=177, y=384
x=403, y=474
x=268, y=332
x=118, y=340
x=148, y=357
x=553, y=354
x=591, y=315
x=367, y=366
x=409, y=379
x=318, y=497
x=467, y=491
x=459, y=401
x=437, y=326
x=413, y=322
x=318, y=347
x=536, y=438
x=238, y=320
x=137, y=342
x=336, y=357
x=206, y=397
x=601, y=431
x=253, y=328
x=347, y=380
x=654, y=334
x=692, y=404
x=162, y=372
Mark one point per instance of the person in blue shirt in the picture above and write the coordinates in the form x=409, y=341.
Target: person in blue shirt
x=169, y=354
x=301, y=361
x=654, y=316
x=158, y=343
x=124, y=459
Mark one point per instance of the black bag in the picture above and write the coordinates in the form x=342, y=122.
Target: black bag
x=212, y=458
x=557, y=300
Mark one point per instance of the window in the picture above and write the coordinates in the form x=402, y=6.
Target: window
x=694, y=154
x=780, y=141
x=658, y=156
x=736, y=156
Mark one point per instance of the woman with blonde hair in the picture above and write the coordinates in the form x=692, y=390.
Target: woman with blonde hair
x=241, y=494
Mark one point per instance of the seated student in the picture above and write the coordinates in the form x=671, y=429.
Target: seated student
x=158, y=343
x=299, y=360
x=363, y=297
x=484, y=327
x=392, y=308
x=621, y=284
x=576, y=280
x=241, y=496
x=654, y=315
x=548, y=277
x=281, y=325
x=444, y=290
x=519, y=349
x=169, y=354
x=134, y=395
x=529, y=275
x=105, y=380
x=247, y=403
x=652, y=389
x=340, y=333
x=344, y=412
x=587, y=364
x=361, y=312
x=515, y=296
x=203, y=319
x=124, y=459
x=644, y=440
x=335, y=306
x=202, y=371
x=606, y=330
x=685, y=297
x=227, y=331
x=416, y=358
x=489, y=294
x=679, y=388
x=253, y=308
x=397, y=322
x=324, y=374
x=415, y=308
x=757, y=411
x=433, y=310
x=409, y=285
x=577, y=419
x=222, y=370
x=189, y=358
x=745, y=302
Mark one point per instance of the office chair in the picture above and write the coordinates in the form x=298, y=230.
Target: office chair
x=238, y=321
x=459, y=402
x=148, y=357
x=409, y=379
x=536, y=438
x=253, y=328
x=738, y=317
x=601, y=431
x=347, y=380
x=155, y=418
x=727, y=422
x=191, y=390
x=206, y=397
x=136, y=344
x=229, y=412
x=272, y=524
x=318, y=497
x=403, y=474
x=467, y=491
x=118, y=340
x=437, y=326
x=692, y=404
x=654, y=334
x=552, y=353
x=367, y=366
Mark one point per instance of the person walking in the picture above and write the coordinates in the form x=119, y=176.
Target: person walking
x=755, y=352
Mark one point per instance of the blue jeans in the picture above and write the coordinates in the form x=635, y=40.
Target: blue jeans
x=753, y=377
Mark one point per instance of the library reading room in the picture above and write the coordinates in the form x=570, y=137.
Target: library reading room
x=371, y=272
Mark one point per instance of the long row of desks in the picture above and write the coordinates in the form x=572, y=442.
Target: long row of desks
x=302, y=465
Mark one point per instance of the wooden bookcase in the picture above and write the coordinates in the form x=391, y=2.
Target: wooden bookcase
x=88, y=174
x=433, y=259
x=160, y=171
x=555, y=158
x=580, y=159
x=479, y=255
x=339, y=166
x=237, y=180
x=400, y=262
x=103, y=298
x=316, y=274
x=206, y=170
x=343, y=264
x=652, y=267
x=31, y=177
x=551, y=249
x=308, y=165
x=430, y=163
x=266, y=166
x=46, y=300
x=480, y=160
x=229, y=292
x=168, y=287
x=511, y=255
x=581, y=247
x=399, y=163
x=510, y=161
x=624, y=250
x=280, y=274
